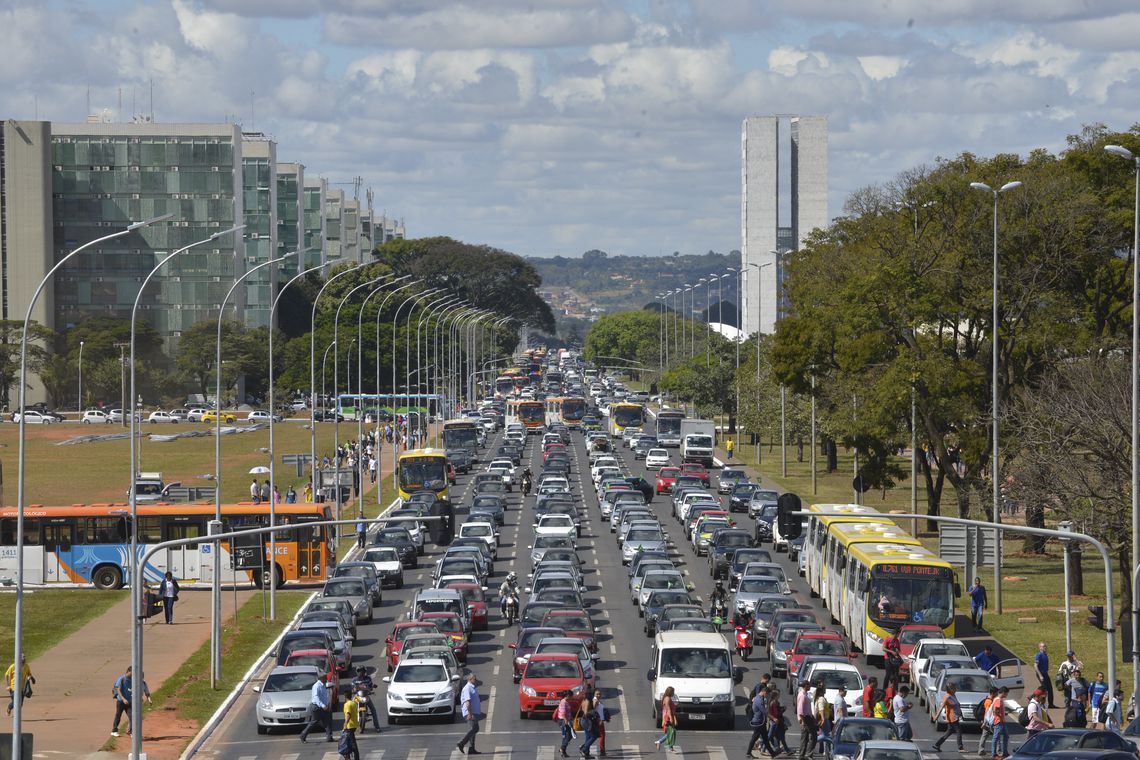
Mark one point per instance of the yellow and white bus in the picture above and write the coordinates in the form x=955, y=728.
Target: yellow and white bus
x=843, y=537
x=622, y=415
x=422, y=469
x=815, y=546
x=530, y=414
x=566, y=410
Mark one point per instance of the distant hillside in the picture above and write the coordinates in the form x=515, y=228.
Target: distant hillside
x=596, y=283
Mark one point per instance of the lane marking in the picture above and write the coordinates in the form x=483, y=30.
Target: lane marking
x=624, y=712
x=490, y=713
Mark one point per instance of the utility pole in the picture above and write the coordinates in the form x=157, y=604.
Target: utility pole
x=123, y=380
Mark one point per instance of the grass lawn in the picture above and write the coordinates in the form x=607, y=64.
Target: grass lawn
x=51, y=616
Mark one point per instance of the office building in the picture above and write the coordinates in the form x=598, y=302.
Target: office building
x=259, y=199
x=765, y=236
x=313, y=225
x=334, y=225
x=290, y=217
x=25, y=218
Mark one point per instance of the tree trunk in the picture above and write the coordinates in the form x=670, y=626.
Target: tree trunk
x=832, y=456
x=962, y=494
x=1076, y=569
x=1035, y=518
x=933, y=483
x=800, y=449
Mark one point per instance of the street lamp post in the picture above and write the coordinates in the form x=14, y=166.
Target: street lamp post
x=996, y=466
x=17, y=712
x=1127, y=154
x=379, y=316
x=79, y=406
x=395, y=318
x=759, y=330
x=685, y=288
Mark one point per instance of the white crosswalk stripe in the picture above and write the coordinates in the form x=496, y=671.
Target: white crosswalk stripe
x=248, y=757
x=331, y=756
x=376, y=754
x=289, y=756
x=503, y=753
x=717, y=753
x=418, y=754
x=546, y=752
x=630, y=750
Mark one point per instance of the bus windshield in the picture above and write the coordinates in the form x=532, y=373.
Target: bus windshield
x=627, y=415
x=911, y=594
x=423, y=472
x=532, y=413
x=668, y=424
x=573, y=409
x=462, y=436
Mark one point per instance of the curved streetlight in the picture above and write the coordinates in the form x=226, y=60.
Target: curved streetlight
x=466, y=350
x=272, y=445
x=425, y=311
x=435, y=309
x=136, y=592
x=415, y=297
x=17, y=712
x=379, y=316
x=438, y=362
x=458, y=349
x=995, y=465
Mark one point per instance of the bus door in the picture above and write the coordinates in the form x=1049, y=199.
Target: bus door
x=310, y=552
x=58, y=540
x=184, y=561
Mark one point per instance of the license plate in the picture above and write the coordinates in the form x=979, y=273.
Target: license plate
x=697, y=716
x=551, y=702
x=420, y=709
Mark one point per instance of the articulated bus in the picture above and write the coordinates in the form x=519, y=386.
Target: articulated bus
x=422, y=469
x=348, y=404
x=668, y=425
x=623, y=415
x=92, y=543
x=530, y=414
x=872, y=586
x=567, y=410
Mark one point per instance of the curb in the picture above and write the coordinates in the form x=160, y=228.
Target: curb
x=223, y=710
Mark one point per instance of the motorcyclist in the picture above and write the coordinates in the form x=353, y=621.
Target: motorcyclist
x=507, y=589
x=742, y=617
x=718, y=601
x=526, y=482
x=363, y=683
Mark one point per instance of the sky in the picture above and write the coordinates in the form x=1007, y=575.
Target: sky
x=552, y=127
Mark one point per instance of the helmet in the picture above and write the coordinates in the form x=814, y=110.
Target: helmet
x=361, y=670
x=511, y=576
x=740, y=606
x=719, y=584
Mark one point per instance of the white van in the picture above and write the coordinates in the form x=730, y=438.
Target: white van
x=699, y=667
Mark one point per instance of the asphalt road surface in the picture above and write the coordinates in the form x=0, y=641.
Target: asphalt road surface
x=623, y=646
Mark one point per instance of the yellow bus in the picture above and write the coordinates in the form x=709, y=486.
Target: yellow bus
x=420, y=470
x=816, y=532
x=623, y=415
x=843, y=536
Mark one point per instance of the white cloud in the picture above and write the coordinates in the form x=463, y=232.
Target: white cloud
x=881, y=66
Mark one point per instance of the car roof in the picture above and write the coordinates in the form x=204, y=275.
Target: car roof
x=291, y=669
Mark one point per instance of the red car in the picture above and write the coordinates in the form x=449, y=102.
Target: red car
x=666, y=479
x=325, y=663
x=696, y=470
x=450, y=623
x=395, y=641
x=476, y=602
x=826, y=643
x=550, y=448
x=546, y=677
x=450, y=473
x=576, y=623
x=525, y=644
x=909, y=636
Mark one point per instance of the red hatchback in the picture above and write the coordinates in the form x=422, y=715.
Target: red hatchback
x=576, y=623
x=451, y=624
x=909, y=636
x=476, y=602
x=666, y=479
x=546, y=678
x=697, y=471
x=395, y=641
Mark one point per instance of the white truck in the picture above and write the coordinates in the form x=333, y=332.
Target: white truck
x=697, y=440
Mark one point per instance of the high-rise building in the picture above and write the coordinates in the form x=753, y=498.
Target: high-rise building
x=259, y=190
x=315, y=236
x=764, y=238
x=25, y=218
x=290, y=217
x=334, y=225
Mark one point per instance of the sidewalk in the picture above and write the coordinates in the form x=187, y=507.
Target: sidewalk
x=71, y=712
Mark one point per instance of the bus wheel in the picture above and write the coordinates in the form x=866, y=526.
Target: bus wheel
x=107, y=578
x=263, y=580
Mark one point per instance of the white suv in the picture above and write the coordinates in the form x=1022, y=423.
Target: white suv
x=421, y=689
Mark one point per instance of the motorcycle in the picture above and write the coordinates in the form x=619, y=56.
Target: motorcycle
x=743, y=641
x=362, y=690
x=718, y=613
x=526, y=485
x=512, y=609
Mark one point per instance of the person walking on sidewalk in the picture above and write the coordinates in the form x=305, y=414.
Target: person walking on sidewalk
x=24, y=687
x=758, y=719
x=589, y=722
x=1041, y=668
x=603, y=719
x=348, y=747
x=668, y=736
x=805, y=714
x=996, y=719
x=168, y=590
x=986, y=725
x=978, y=603
x=729, y=446
x=124, y=693
x=470, y=704
x=319, y=712
x=901, y=709
x=951, y=710
x=564, y=716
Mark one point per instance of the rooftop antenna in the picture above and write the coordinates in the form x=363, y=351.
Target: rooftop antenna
x=152, y=99
x=252, y=122
x=119, y=116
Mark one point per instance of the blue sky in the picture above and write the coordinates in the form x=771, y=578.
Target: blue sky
x=556, y=126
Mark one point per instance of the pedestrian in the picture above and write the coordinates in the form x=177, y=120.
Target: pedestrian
x=361, y=533
x=668, y=736
x=603, y=719
x=882, y=709
x=839, y=709
x=265, y=490
x=901, y=709
x=308, y=492
x=951, y=711
x=291, y=495
x=729, y=446
x=892, y=656
x=805, y=714
x=1113, y=719
x=1039, y=719
x=347, y=746
x=372, y=468
x=758, y=720
x=996, y=719
x=276, y=494
x=777, y=724
x=168, y=590
x=1076, y=698
x=978, y=603
x=124, y=693
x=565, y=716
x=24, y=687
x=589, y=723
x=891, y=690
x=1041, y=668
x=1098, y=698
x=869, y=697
x=821, y=709
x=1065, y=671
x=986, y=725
x=986, y=658
x=471, y=705
x=320, y=713
x=254, y=492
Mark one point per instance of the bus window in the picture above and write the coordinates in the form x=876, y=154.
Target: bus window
x=8, y=532
x=105, y=530
x=149, y=530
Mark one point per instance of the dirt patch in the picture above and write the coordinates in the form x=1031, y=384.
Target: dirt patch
x=164, y=735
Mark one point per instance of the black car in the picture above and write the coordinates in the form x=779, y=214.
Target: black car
x=722, y=546
x=740, y=496
x=511, y=452
x=1063, y=742
x=327, y=415
x=492, y=504
x=673, y=612
x=657, y=601
x=460, y=459
x=764, y=521
x=742, y=557
x=533, y=613
x=850, y=731
x=644, y=486
x=402, y=540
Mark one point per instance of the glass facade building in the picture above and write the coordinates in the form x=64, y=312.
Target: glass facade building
x=259, y=197
x=313, y=224
x=290, y=181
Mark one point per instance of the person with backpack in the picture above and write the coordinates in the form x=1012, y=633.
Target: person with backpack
x=951, y=711
x=19, y=684
x=588, y=720
x=1076, y=697
x=1035, y=715
x=1113, y=720
x=1098, y=699
x=983, y=709
x=823, y=719
x=995, y=720
x=758, y=720
x=123, y=692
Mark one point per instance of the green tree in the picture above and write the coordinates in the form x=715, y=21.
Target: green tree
x=630, y=337
x=40, y=339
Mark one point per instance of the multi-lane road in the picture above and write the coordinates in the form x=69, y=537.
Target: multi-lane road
x=624, y=649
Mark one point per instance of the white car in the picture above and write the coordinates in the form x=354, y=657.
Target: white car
x=421, y=689
x=259, y=415
x=556, y=525
x=95, y=416
x=161, y=416
x=484, y=531
x=926, y=649
x=32, y=417
x=888, y=750
x=386, y=560
x=836, y=674
x=180, y=415
x=195, y=415
x=655, y=459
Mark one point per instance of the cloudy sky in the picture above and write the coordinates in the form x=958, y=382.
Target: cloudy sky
x=555, y=126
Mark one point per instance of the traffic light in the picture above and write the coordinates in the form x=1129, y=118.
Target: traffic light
x=440, y=531
x=1096, y=616
x=788, y=524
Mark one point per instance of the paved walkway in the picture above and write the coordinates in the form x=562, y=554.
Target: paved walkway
x=71, y=712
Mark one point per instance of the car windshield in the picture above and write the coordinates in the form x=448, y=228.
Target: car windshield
x=967, y=683
x=769, y=511
x=833, y=679
x=354, y=572
x=833, y=647
x=691, y=624
x=450, y=623
x=553, y=669
x=853, y=733
x=760, y=586
x=531, y=638
x=381, y=555
x=661, y=598
x=787, y=635
x=665, y=580
x=949, y=649
x=343, y=588
x=556, y=521
x=478, y=530
x=420, y=674
x=1049, y=741
x=289, y=682
x=913, y=637
x=892, y=753
x=394, y=536
x=403, y=633
x=320, y=662
x=644, y=534
x=560, y=648
x=571, y=622
x=695, y=663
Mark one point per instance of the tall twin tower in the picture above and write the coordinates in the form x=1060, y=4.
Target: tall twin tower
x=764, y=238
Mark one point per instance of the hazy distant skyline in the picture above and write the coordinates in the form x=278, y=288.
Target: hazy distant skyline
x=556, y=126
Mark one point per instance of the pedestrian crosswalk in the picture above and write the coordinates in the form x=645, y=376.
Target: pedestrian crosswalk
x=439, y=750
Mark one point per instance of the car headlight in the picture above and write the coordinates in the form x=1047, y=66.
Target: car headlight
x=722, y=698
x=395, y=696
x=529, y=691
x=841, y=757
x=266, y=704
x=578, y=689
x=520, y=661
x=444, y=694
x=874, y=637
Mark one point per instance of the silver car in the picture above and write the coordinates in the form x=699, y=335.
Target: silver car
x=283, y=700
x=642, y=538
x=355, y=590
x=972, y=686
x=751, y=588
